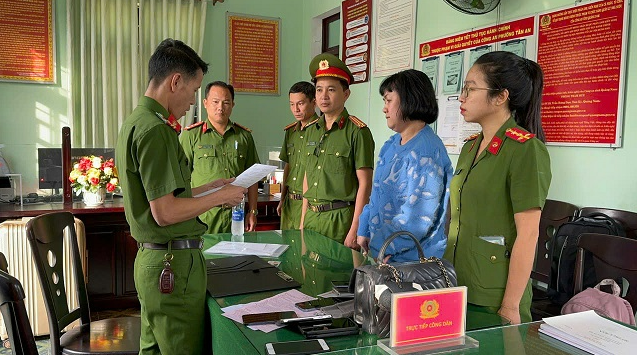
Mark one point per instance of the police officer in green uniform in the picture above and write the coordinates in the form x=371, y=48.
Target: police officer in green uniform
x=217, y=149
x=500, y=185
x=159, y=206
x=303, y=106
x=340, y=157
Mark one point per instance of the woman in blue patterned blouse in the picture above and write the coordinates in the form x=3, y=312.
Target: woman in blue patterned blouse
x=411, y=183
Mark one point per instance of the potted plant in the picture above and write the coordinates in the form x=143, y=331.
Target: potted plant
x=93, y=176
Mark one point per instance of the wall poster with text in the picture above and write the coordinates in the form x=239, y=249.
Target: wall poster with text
x=253, y=53
x=582, y=51
x=447, y=60
x=27, y=41
x=357, y=28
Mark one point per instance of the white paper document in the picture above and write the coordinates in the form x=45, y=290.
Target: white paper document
x=592, y=333
x=284, y=301
x=245, y=248
x=247, y=178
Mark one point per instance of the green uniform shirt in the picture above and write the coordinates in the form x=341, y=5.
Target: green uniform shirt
x=152, y=164
x=213, y=156
x=293, y=153
x=333, y=158
x=511, y=175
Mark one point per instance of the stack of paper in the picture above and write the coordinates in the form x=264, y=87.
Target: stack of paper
x=245, y=248
x=592, y=333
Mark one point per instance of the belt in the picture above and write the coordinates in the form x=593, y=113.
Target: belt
x=175, y=244
x=330, y=206
x=295, y=196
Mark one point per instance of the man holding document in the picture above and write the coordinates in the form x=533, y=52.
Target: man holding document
x=220, y=149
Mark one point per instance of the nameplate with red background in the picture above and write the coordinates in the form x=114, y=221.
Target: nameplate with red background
x=425, y=316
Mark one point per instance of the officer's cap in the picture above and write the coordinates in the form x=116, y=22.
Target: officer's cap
x=328, y=65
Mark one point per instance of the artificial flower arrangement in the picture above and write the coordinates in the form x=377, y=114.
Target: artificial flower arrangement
x=92, y=173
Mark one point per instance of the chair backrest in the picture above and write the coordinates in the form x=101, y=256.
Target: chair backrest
x=14, y=313
x=627, y=219
x=613, y=257
x=47, y=238
x=554, y=214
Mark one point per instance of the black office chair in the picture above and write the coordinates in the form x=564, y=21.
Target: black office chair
x=613, y=258
x=14, y=313
x=110, y=336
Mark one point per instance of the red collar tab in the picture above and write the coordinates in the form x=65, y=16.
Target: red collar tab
x=204, y=127
x=519, y=135
x=494, y=145
x=172, y=122
x=341, y=122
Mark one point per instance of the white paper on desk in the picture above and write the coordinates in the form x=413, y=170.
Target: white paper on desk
x=591, y=332
x=245, y=248
x=247, y=178
x=281, y=302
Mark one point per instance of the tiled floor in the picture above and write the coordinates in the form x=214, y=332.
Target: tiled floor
x=43, y=341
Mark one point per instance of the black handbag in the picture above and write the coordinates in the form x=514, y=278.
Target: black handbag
x=372, y=304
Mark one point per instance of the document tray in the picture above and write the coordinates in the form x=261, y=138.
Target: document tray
x=244, y=274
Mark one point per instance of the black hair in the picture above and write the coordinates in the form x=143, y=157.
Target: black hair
x=524, y=80
x=417, y=96
x=303, y=87
x=220, y=84
x=173, y=55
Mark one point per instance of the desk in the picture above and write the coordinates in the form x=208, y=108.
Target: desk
x=110, y=248
x=314, y=261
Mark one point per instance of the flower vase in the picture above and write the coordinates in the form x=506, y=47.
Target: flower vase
x=94, y=198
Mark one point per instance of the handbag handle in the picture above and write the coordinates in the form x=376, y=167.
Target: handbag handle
x=381, y=252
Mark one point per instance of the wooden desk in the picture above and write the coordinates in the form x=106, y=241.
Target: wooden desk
x=110, y=248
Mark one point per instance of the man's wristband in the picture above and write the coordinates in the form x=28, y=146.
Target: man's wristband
x=254, y=212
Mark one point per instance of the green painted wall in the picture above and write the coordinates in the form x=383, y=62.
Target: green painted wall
x=32, y=115
x=584, y=176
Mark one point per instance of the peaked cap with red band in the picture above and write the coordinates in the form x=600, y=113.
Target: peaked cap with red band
x=328, y=65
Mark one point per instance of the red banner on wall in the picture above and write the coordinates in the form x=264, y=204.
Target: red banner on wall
x=253, y=50
x=357, y=27
x=503, y=32
x=580, y=52
x=26, y=39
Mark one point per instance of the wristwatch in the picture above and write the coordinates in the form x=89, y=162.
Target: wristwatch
x=254, y=212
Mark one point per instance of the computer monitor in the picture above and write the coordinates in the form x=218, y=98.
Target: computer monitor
x=50, y=163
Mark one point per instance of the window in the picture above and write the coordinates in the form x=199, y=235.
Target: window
x=330, y=39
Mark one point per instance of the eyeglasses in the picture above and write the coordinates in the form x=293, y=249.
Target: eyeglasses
x=467, y=90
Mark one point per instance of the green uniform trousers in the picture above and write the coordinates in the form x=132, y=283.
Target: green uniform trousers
x=333, y=224
x=171, y=323
x=291, y=213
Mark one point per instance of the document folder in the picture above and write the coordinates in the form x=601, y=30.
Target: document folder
x=244, y=274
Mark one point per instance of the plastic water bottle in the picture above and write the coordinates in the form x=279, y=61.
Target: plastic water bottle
x=237, y=222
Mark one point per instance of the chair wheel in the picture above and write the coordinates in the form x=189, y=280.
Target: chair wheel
x=6, y=343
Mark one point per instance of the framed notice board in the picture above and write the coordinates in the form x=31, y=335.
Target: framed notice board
x=253, y=53
x=26, y=39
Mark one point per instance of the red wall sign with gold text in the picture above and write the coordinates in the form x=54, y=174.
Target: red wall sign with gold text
x=26, y=39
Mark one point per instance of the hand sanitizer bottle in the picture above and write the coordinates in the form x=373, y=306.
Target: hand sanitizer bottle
x=237, y=222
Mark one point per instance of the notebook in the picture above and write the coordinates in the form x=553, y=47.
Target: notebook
x=244, y=274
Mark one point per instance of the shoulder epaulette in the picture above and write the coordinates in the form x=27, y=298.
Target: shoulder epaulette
x=518, y=134
x=311, y=123
x=243, y=127
x=194, y=125
x=472, y=137
x=290, y=126
x=357, y=122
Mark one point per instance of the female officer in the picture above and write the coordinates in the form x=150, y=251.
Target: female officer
x=500, y=185
x=411, y=182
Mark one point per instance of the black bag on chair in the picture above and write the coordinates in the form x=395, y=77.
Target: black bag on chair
x=373, y=312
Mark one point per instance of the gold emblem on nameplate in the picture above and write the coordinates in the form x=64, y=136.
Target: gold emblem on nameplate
x=429, y=309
